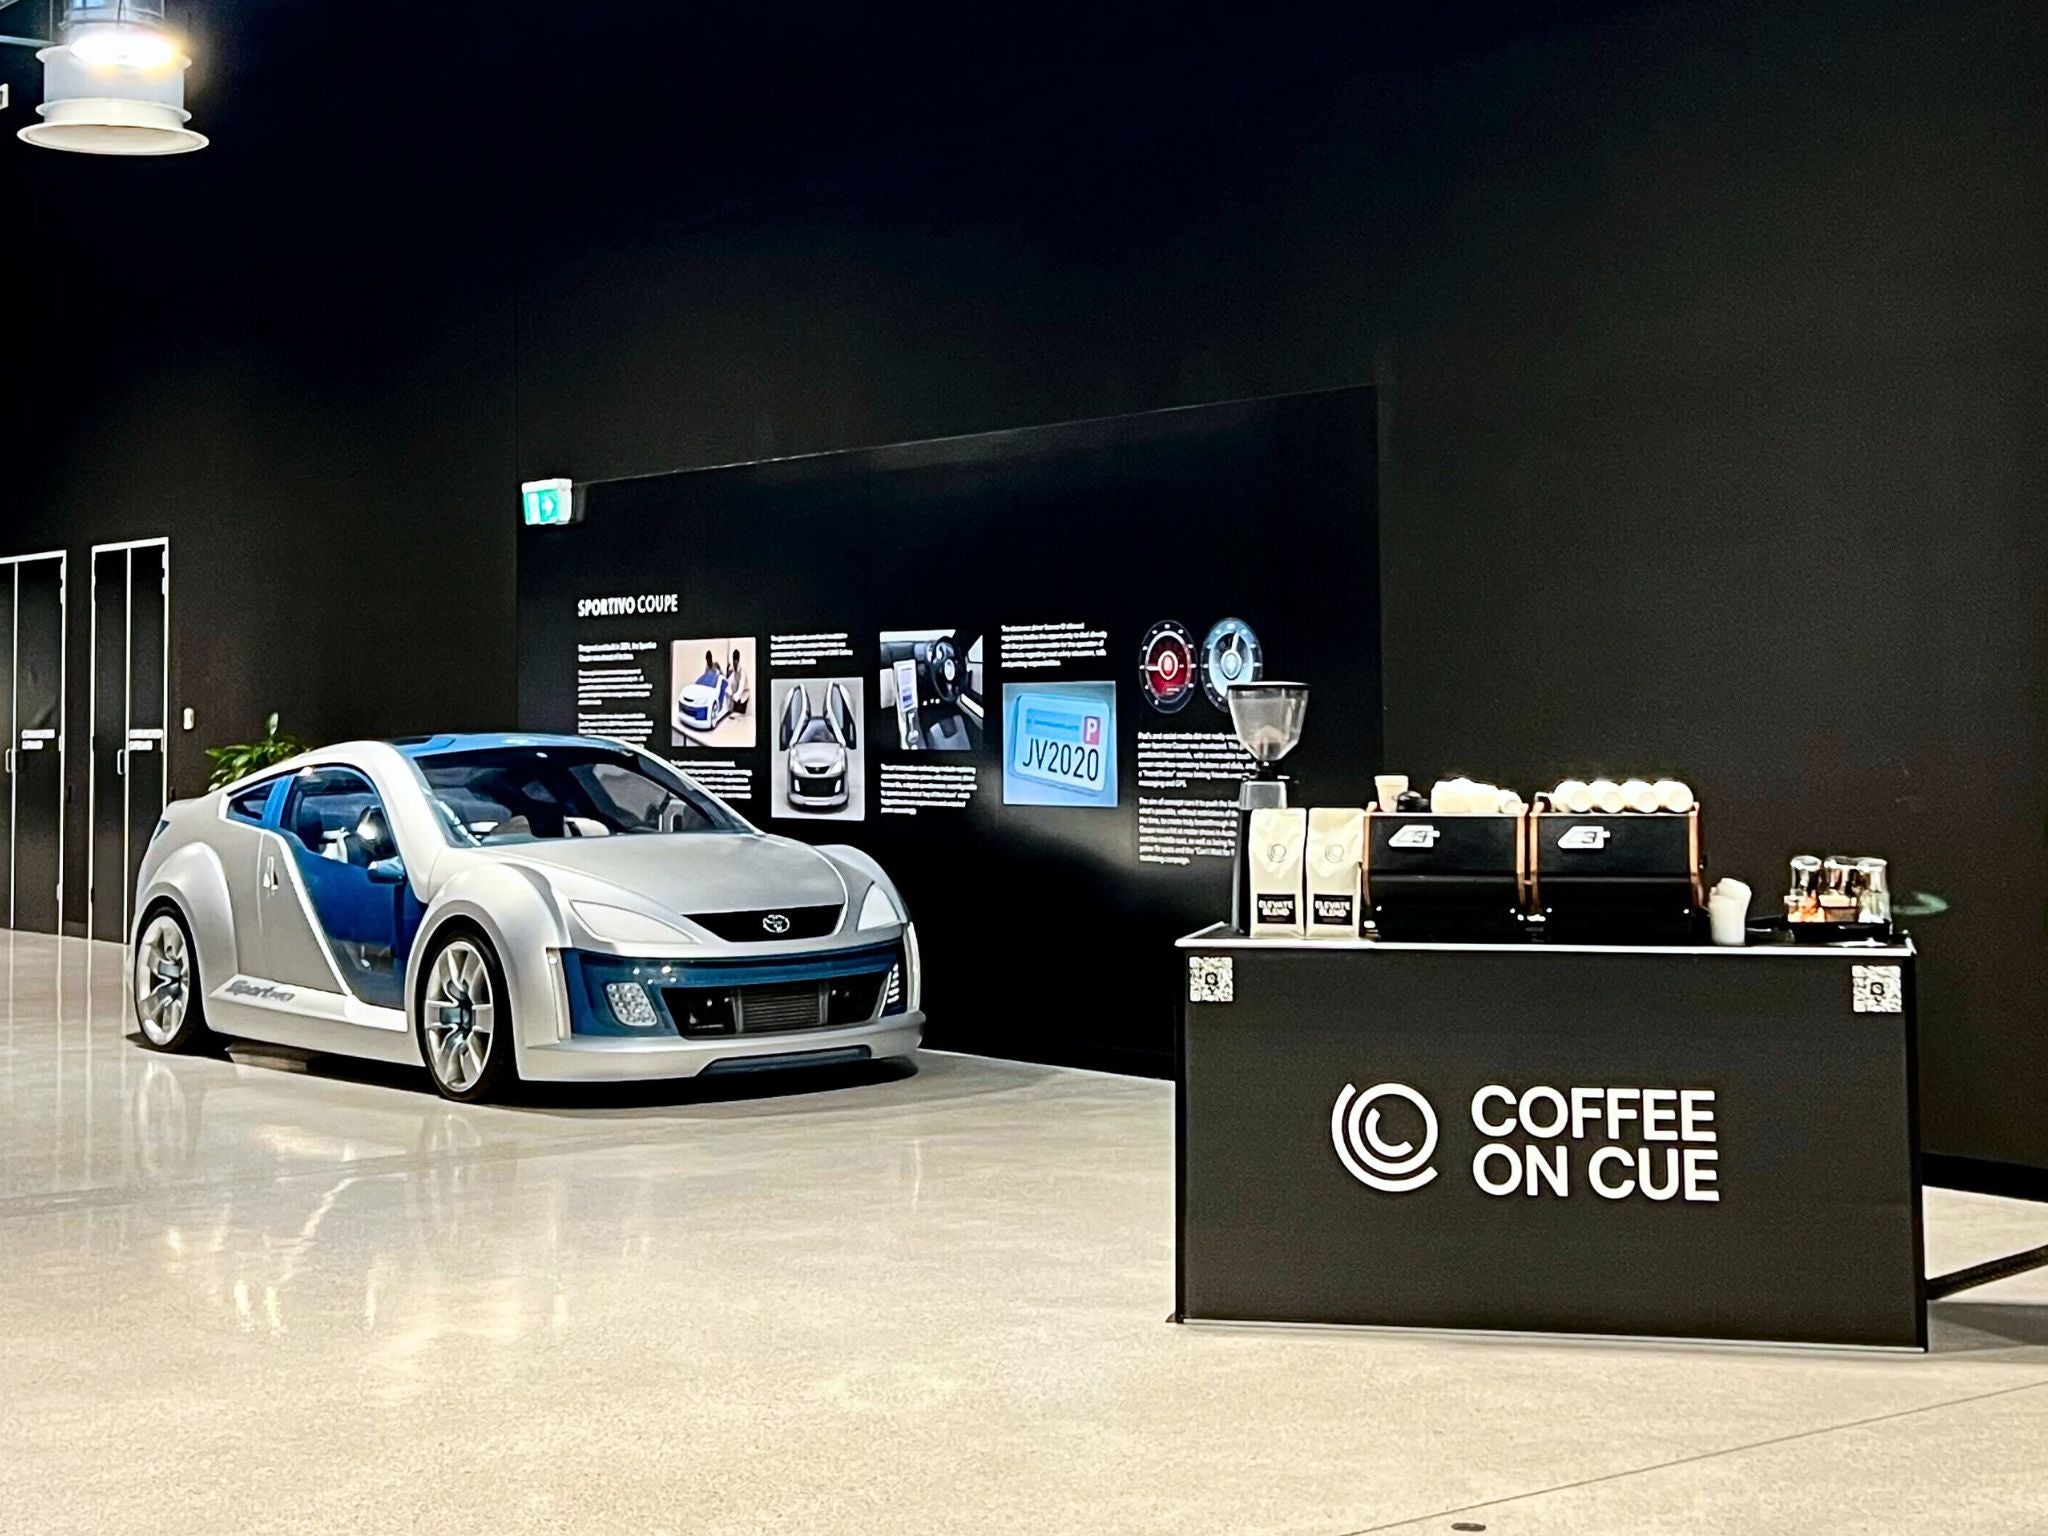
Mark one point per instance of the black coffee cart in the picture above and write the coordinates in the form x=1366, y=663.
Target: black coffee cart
x=1670, y=1141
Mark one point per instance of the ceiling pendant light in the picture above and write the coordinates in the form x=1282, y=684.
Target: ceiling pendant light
x=114, y=84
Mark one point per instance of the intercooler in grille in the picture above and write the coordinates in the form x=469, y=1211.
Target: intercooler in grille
x=766, y=1010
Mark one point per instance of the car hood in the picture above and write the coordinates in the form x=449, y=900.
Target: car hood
x=696, y=692
x=694, y=871
x=818, y=757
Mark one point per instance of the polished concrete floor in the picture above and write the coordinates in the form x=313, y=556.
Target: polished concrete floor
x=263, y=1295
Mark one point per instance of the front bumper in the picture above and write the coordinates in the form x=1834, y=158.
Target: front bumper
x=809, y=794
x=627, y=1018
x=601, y=1058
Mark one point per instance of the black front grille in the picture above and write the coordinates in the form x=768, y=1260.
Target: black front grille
x=766, y=924
x=776, y=1008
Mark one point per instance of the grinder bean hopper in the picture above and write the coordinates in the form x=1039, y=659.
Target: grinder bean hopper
x=1268, y=718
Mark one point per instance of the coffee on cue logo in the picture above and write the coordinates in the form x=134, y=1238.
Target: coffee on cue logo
x=1653, y=1144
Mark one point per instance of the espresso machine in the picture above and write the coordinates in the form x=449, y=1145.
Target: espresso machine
x=1268, y=718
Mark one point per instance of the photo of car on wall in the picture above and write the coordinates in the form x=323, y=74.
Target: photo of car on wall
x=932, y=682
x=712, y=683
x=818, y=767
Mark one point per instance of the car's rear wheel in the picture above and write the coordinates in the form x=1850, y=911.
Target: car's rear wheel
x=465, y=1019
x=170, y=1008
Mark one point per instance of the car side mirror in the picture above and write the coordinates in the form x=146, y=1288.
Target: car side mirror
x=389, y=871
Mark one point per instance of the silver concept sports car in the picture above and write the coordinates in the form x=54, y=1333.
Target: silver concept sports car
x=819, y=769
x=505, y=907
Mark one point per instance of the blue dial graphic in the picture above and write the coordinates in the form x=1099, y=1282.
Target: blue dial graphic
x=1230, y=655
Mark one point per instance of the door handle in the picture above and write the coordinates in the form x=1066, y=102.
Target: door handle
x=121, y=763
x=10, y=760
x=270, y=872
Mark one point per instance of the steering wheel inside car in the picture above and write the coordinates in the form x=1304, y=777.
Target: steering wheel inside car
x=942, y=665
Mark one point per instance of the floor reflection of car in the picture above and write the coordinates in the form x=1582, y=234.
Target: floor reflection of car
x=505, y=907
x=720, y=691
x=819, y=747
x=932, y=679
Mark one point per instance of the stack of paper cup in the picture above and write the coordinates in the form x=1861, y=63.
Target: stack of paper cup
x=1391, y=787
x=1573, y=795
x=1607, y=797
x=1728, y=912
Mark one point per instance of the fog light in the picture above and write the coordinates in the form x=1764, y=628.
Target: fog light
x=631, y=1005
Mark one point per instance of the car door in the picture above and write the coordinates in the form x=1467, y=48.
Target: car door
x=242, y=843
x=839, y=710
x=336, y=905
x=796, y=709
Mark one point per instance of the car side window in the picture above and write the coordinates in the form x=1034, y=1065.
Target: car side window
x=326, y=810
x=248, y=805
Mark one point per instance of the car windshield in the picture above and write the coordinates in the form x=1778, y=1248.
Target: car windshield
x=817, y=731
x=498, y=795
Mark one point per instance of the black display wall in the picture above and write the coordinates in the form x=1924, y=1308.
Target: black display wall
x=1030, y=635
x=1708, y=338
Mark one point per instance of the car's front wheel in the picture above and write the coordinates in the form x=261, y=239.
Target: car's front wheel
x=168, y=1004
x=465, y=1018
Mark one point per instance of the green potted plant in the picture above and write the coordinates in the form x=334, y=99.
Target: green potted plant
x=233, y=762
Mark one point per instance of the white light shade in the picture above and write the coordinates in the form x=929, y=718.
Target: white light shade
x=118, y=109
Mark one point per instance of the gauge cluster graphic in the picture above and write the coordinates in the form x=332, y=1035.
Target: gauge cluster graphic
x=1230, y=655
x=1166, y=667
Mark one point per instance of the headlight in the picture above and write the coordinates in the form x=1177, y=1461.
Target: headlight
x=880, y=909
x=615, y=925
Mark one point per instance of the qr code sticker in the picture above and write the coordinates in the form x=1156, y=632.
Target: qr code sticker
x=1879, y=989
x=1210, y=979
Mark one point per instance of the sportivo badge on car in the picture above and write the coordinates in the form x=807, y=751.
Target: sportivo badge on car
x=499, y=907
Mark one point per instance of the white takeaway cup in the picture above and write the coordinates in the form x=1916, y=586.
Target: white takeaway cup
x=1728, y=913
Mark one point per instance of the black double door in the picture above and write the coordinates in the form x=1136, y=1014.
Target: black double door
x=32, y=727
x=130, y=781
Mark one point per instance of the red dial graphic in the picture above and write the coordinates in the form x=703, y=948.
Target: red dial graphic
x=1167, y=666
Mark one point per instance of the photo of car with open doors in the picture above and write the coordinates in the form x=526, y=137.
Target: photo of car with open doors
x=818, y=765
x=511, y=907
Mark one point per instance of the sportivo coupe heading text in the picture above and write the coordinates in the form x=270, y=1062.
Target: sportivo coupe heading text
x=499, y=907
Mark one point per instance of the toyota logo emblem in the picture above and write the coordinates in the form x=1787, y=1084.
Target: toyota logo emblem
x=775, y=922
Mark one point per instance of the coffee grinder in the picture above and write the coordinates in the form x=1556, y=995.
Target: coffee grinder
x=1268, y=718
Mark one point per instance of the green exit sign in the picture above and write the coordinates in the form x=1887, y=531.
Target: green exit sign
x=548, y=503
